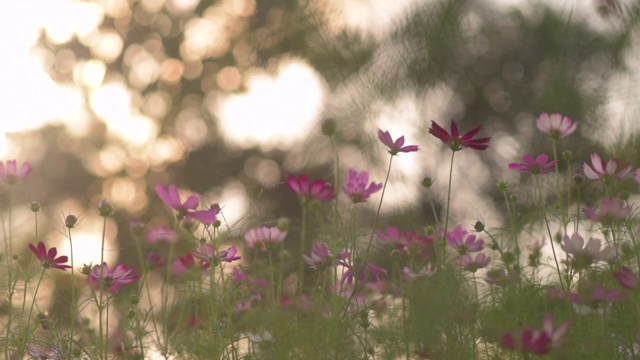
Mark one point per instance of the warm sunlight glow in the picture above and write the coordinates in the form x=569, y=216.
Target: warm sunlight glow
x=276, y=110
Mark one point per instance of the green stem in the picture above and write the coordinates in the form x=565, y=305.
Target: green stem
x=303, y=240
x=73, y=295
x=101, y=348
x=546, y=222
x=375, y=219
x=446, y=216
x=35, y=295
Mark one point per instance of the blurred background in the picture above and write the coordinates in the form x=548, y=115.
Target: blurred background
x=225, y=98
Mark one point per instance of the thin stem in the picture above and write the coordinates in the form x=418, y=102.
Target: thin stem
x=546, y=222
x=100, y=330
x=303, y=240
x=26, y=337
x=446, y=216
x=145, y=283
x=375, y=219
x=73, y=294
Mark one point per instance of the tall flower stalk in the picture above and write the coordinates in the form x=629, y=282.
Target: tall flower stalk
x=70, y=222
x=456, y=142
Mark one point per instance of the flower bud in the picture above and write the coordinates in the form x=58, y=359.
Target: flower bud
x=137, y=228
x=578, y=179
x=329, y=127
x=513, y=198
x=395, y=255
x=624, y=196
x=427, y=182
x=35, y=206
x=284, y=255
x=283, y=223
x=105, y=209
x=478, y=226
x=567, y=155
x=429, y=230
x=131, y=314
x=86, y=269
x=70, y=221
x=502, y=186
x=134, y=299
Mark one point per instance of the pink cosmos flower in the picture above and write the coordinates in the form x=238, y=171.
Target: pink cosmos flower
x=10, y=174
x=473, y=264
x=397, y=146
x=48, y=259
x=266, y=238
x=425, y=271
x=609, y=211
x=608, y=171
x=556, y=125
x=407, y=242
x=183, y=264
x=536, y=166
x=530, y=340
x=457, y=142
x=322, y=258
x=171, y=198
x=37, y=351
x=162, y=233
x=352, y=272
x=626, y=278
x=207, y=254
x=585, y=255
x=464, y=243
x=356, y=186
x=112, y=279
x=318, y=190
x=593, y=296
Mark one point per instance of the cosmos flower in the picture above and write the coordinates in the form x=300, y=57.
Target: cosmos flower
x=457, y=142
x=317, y=190
x=395, y=147
x=608, y=171
x=536, y=166
x=609, y=211
x=464, y=242
x=585, y=255
x=10, y=174
x=358, y=187
x=556, y=125
x=112, y=279
x=48, y=259
x=534, y=341
x=186, y=209
x=471, y=264
x=626, y=278
x=266, y=238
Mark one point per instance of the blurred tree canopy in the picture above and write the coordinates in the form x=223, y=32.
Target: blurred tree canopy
x=476, y=61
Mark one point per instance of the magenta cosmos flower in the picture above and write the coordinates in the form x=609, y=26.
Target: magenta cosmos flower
x=534, y=341
x=266, y=238
x=463, y=242
x=48, y=259
x=608, y=171
x=609, y=211
x=457, y=142
x=186, y=209
x=626, y=278
x=407, y=242
x=556, y=125
x=111, y=279
x=395, y=147
x=536, y=166
x=10, y=174
x=358, y=187
x=317, y=190
x=321, y=257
